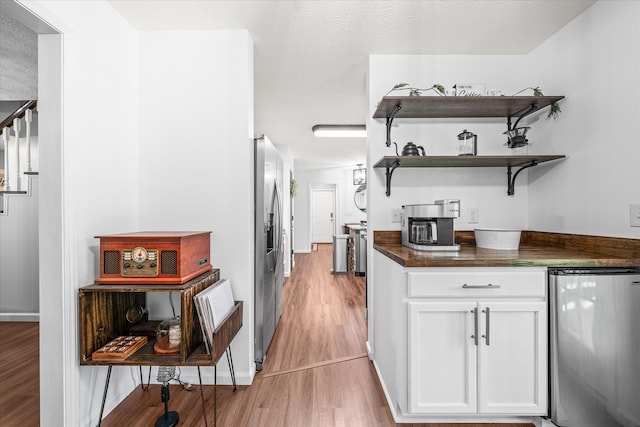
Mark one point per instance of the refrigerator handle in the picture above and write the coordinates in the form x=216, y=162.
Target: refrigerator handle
x=486, y=325
x=278, y=230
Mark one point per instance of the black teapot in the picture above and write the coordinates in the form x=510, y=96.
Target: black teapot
x=412, y=149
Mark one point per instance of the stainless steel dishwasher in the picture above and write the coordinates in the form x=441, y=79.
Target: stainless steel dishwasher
x=595, y=347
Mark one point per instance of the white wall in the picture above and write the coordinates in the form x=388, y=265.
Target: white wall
x=82, y=176
x=195, y=156
x=346, y=210
x=19, y=256
x=595, y=62
x=19, y=221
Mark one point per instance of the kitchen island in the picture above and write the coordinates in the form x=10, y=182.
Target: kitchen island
x=464, y=335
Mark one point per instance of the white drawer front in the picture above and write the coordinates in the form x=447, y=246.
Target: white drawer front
x=477, y=283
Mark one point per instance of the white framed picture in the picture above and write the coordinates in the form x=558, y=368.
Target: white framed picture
x=470, y=89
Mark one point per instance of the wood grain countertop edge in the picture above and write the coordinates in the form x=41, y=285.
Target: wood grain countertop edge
x=537, y=249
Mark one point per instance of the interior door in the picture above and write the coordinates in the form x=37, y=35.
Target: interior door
x=322, y=215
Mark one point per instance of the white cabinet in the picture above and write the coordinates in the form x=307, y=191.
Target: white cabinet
x=477, y=341
x=442, y=358
x=512, y=359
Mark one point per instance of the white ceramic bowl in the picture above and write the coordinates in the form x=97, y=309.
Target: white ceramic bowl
x=497, y=238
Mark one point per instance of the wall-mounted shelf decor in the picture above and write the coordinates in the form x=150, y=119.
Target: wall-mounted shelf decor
x=391, y=163
x=441, y=107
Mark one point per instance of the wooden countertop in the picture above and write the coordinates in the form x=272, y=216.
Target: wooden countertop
x=537, y=249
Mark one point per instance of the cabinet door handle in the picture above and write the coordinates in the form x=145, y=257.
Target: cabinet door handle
x=475, y=326
x=487, y=286
x=487, y=312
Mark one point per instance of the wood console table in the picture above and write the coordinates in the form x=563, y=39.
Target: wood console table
x=103, y=310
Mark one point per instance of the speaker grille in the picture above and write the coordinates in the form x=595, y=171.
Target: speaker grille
x=169, y=262
x=111, y=262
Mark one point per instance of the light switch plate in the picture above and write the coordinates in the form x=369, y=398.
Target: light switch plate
x=472, y=215
x=396, y=215
x=634, y=214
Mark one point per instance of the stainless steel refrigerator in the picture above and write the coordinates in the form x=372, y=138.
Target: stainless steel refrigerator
x=595, y=347
x=269, y=267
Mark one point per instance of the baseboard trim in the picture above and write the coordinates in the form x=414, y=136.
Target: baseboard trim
x=19, y=317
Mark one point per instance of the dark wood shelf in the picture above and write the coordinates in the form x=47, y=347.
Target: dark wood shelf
x=441, y=107
x=146, y=356
x=462, y=161
x=103, y=317
x=391, y=163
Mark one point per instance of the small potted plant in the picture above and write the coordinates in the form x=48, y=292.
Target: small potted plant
x=414, y=91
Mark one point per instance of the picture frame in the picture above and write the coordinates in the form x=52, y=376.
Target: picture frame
x=470, y=89
x=359, y=176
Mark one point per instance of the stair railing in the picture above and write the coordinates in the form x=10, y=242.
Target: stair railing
x=13, y=121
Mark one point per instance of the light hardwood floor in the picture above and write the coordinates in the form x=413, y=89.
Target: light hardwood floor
x=316, y=373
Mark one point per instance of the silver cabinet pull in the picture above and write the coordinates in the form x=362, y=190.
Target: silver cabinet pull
x=487, y=327
x=635, y=283
x=487, y=286
x=475, y=326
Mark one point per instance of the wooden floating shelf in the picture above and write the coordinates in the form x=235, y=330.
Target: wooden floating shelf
x=391, y=163
x=462, y=161
x=442, y=107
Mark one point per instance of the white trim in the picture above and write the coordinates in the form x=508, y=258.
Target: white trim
x=19, y=317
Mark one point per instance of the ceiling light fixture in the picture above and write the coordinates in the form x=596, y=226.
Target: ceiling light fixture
x=340, y=131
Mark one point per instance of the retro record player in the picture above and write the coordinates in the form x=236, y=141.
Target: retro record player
x=154, y=257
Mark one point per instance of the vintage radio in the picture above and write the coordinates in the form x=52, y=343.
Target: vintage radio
x=154, y=257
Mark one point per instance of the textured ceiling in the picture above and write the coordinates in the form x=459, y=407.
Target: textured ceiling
x=311, y=56
x=19, y=59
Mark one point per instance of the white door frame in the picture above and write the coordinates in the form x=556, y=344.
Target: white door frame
x=312, y=188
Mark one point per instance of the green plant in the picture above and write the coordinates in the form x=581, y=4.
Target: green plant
x=554, y=108
x=293, y=187
x=414, y=91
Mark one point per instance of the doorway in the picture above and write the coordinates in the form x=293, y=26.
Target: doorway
x=323, y=213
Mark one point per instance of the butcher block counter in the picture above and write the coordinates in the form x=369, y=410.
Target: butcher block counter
x=537, y=249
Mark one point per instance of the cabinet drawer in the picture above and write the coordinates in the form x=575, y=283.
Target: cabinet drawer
x=477, y=283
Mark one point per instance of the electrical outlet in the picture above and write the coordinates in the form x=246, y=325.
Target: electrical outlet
x=396, y=215
x=472, y=215
x=634, y=214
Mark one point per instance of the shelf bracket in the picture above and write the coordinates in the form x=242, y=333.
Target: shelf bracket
x=389, y=172
x=390, y=117
x=511, y=181
x=520, y=115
